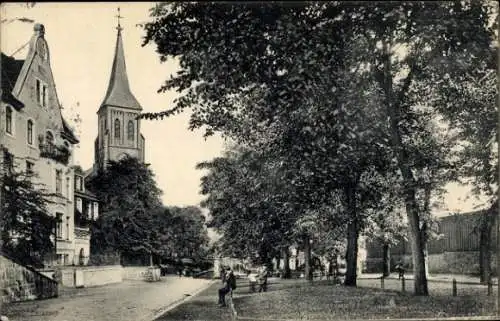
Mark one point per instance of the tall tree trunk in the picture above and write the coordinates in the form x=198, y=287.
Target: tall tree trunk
x=352, y=238
x=485, y=241
x=278, y=261
x=393, y=105
x=387, y=259
x=286, y=263
x=307, y=258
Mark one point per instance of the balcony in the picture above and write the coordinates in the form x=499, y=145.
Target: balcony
x=60, y=154
x=82, y=233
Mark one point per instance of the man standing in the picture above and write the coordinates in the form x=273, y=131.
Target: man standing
x=263, y=279
x=222, y=274
x=229, y=285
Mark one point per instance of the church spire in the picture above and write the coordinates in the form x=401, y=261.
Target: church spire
x=118, y=93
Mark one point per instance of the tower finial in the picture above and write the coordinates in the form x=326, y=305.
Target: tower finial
x=119, y=28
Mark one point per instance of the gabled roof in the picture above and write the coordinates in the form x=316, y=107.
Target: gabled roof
x=118, y=93
x=87, y=194
x=11, y=69
x=67, y=132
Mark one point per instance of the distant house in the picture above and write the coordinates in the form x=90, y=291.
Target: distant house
x=86, y=211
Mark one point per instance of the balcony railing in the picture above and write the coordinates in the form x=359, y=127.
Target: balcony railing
x=60, y=154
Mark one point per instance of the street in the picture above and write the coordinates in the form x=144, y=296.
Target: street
x=126, y=301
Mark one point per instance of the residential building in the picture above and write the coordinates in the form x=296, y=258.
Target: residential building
x=86, y=211
x=35, y=137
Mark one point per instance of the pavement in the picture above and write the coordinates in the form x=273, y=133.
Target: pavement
x=126, y=301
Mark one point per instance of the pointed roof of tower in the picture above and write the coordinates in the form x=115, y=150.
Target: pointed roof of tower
x=119, y=93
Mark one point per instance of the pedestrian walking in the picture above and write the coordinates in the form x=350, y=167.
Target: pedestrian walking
x=401, y=270
x=229, y=286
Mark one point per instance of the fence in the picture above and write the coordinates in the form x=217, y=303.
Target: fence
x=459, y=234
x=451, y=286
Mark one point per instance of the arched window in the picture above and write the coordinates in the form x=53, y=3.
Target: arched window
x=130, y=130
x=8, y=120
x=30, y=132
x=117, y=128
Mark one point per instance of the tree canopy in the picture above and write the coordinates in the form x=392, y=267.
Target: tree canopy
x=334, y=93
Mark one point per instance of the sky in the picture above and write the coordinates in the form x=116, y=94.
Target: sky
x=81, y=39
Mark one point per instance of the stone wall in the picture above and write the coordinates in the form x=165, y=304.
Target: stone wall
x=19, y=283
x=102, y=275
x=134, y=272
x=88, y=276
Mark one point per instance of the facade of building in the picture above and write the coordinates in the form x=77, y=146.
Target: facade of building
x=35, y=137
x=118, y=130
x=86, y=211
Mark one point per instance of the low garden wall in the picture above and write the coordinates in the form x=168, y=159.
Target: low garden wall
x=141, y=273
x=88, y=276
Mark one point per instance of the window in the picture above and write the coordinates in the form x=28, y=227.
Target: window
x=79, y=183
x=79, y=204
x=30, y=132
x=96, y=210
x=59, y=229
x=29, y=167
x=8, y=120
x=130, y=130
x=41, y=93
x=44, y=96
x=8, y=161
x=88, y=211
x=58, y=181
x=117, y=128
x=67, y=227
x=68, y=192
x=38, y=90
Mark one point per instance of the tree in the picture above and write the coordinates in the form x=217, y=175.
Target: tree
x=27, y=225
x=283, y=72
x=467, y=99
x=435, y=37
x=129, y=197
x=245, y=205
x=258, y=75
x=189, y=231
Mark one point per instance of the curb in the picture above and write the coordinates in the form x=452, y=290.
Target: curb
x=175, y=304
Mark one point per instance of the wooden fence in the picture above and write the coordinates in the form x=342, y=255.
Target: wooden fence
x=459, y=233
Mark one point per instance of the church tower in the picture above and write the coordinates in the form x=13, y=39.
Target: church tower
x=119, y=132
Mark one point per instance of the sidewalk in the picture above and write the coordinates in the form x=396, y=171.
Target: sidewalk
x=127, y=301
